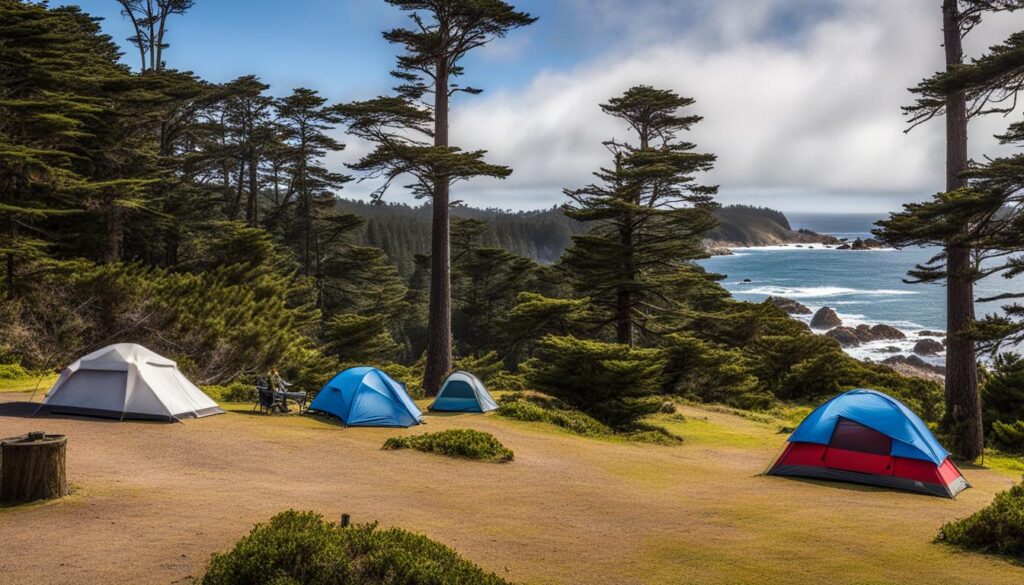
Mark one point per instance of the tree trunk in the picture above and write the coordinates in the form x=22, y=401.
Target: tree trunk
x=10, y=276
x=251, y=211
x=32, y=467
x=963, y=404
x=623, y=321
x=115, y=235
x=439, y=319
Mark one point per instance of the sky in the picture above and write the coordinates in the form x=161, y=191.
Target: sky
x=800, y=98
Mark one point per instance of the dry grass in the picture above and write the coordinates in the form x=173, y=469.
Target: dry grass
x=154, y=500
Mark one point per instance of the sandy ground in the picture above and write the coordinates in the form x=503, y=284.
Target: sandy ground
x=152, y=501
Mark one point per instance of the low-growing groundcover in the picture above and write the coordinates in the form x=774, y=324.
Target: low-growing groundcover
x=463, y=443
x=997, y=528
x=300, y=548
x=533, y=407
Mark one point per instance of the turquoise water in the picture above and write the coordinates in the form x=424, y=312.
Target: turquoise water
x=862, y=286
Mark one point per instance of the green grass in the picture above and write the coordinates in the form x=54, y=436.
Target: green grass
x=458, y=443
x=28, y=384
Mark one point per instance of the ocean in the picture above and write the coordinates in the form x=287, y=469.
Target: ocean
x=861, y=286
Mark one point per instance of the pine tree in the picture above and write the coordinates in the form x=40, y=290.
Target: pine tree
x=149, y=19
x=954, y=216
x=305, y=121
x=648, y=215
x=445, y=32
x=60, y=130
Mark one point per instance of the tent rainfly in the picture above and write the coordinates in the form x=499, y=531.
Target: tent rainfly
x=367, y=397
x=463, y=392
x=126, y=380
x=865, y=436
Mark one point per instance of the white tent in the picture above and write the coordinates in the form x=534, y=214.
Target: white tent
x=127, y=381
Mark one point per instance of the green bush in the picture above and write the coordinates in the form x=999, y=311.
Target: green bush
x=702, y=371
x=613, y=383
x=997, y=528
x=300, y=548
x=535, y=408
x=462, y=443
x=233, y=392
x=1008, y=436
x=1002, y=395
x=13, y=372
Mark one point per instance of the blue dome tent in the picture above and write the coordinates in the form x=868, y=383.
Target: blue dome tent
x=367, y=397
x=463, y=392
x=865, y=436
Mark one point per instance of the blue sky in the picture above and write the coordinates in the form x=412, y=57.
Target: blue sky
x=801, y=98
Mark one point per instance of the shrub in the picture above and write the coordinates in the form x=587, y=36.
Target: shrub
x=233, y=392
x=613, y=383
x=1008, y=436
x=997, y=528
x=700, y=370
x=534, y=408
x=1002, y=396
x=300, y=548
x=462, y=443
x=12, y=372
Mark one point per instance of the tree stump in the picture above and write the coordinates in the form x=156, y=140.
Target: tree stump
x=32, y=467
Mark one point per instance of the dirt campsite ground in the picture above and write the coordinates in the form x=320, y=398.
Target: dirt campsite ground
x=152, y=501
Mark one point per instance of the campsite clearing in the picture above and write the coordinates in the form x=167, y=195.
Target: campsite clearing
x=151, y=501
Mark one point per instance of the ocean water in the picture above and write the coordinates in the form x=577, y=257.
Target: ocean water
x=861, y=286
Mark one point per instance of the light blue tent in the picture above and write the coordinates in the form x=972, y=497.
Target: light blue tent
x=367, y=397
x=463, y=392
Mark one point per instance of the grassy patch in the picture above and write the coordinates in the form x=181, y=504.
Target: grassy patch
x=300, y=548
x=461, y=443
x=533, y=407
x=997, y=528
x=31, y=383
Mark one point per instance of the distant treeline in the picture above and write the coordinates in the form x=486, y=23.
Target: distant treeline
x=403, y=230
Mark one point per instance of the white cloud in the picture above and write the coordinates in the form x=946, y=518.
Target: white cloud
x=802, y=114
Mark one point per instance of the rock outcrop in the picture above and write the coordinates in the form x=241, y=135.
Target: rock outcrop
x=854, y=336
x=914, y=366
x=928, y=346
x=789, y=305
x=846, y=336
x=825, y=318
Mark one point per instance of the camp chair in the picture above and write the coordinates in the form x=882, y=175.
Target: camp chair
x=283, y=395
x=266, y=399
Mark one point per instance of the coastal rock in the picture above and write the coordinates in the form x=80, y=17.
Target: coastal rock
x=887, y=332
x=846, y=336
x=788, y=305
x=859, y=244
x=915, y=367
x=825, y=318
x=927, y=333
x=928, y=346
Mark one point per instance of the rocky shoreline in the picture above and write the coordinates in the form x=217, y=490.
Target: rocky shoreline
x=825, y=321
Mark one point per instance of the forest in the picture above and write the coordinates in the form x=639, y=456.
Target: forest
x=201, y=219
x=207, y=221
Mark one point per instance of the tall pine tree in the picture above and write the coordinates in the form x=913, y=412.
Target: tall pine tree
x=444, y=32
x=951, y=219
x=648, y=214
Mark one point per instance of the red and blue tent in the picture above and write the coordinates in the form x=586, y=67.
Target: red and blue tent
x=865, y=436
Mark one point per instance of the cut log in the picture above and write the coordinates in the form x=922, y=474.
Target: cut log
x=32, y=467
